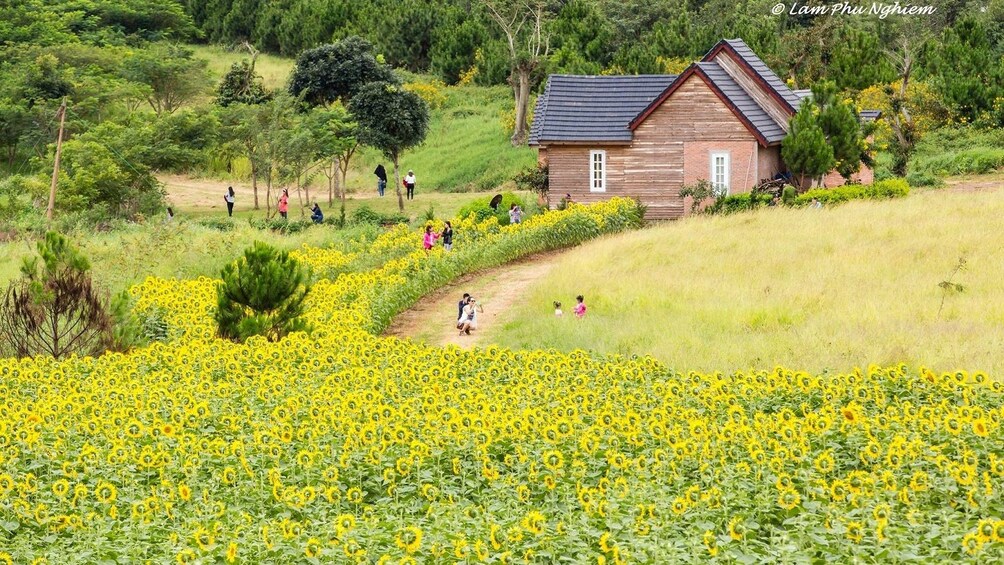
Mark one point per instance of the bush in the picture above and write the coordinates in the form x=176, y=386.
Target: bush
x=788, y=194
x=535, y=179
x=738, y=203
x=281, y=226
x=698, y=192
x=262, y=293
x=892, y=188
x=218, y=224
x=480, y=208
x=918, y=178
x=55, y=310
x=366, y=215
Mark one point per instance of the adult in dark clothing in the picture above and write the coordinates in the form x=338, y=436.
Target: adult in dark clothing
x=447, y=236
x=381, y=175
x=316, y=214
x=460, y=307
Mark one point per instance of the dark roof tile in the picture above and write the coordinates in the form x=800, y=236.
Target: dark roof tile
x=592, y=108
x=747, y=106
x=761, y=68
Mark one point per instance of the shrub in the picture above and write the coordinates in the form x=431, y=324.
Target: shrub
x=218, y=224
x=262, y=293
x=480, y=208
x=366, y=215
x=281, y=226
x=535, y=179
x=788, y=194
x=919, y=178
x=430, y=92
x=699, y=191
x=891, y=188
x=738, y=203
x=55, y=310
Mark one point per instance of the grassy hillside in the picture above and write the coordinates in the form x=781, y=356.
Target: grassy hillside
x=274, y=70
x=816, y=289
x=467, y=147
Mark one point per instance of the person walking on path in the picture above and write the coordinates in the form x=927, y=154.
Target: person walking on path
x=447, y=236
x=381, y=175
x=228, y=197
x=409, y=184
x=284, y=203
x=580, y=307
x=430, y=238
x=316, y=214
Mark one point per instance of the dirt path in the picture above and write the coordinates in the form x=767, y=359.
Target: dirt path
x=976, y=183
x=432, y=320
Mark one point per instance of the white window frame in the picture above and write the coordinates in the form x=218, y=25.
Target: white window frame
x=597, y=184
x=724, y=187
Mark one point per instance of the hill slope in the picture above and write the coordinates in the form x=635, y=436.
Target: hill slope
x=817, y=289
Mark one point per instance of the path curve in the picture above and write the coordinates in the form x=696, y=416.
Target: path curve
x=432, y=319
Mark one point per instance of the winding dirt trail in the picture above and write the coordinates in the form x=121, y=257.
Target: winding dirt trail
x=432, y=319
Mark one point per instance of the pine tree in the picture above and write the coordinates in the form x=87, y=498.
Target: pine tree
x=804, y=149
x=840, y=126
x=262, y=293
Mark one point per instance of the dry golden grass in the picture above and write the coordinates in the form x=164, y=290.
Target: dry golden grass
x=813, y=289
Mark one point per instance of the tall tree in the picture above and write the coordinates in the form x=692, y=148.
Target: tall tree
x=840, y=125
x=392, y=120
x=174, y=76
x=337, y=71
x=804, y=149
x=524, y=23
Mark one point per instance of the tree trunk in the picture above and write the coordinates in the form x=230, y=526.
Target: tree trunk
x=397, y=183
x=254, y=183
x=332, y=180
x=521, y=91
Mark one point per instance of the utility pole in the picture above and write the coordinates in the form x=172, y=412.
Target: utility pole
x=55, y=168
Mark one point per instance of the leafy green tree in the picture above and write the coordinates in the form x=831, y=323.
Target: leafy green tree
x=804, y=149
x=15, y=123
x=262, y=293
x=455, y=45
x=840, y=126
x=173, y=75
x=54, y=309
x=581, y=36
x=241, y=85
x=392, y=120
x=966, y=71
x=853, y=64
x=107, y=171
x=337, y=71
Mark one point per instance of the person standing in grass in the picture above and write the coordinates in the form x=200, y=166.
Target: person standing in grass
x=228, y=197
x=409, y=184
x=284, y=203
x=430, y=239
x=447, y=236
x=381, y=175
x=580, y=307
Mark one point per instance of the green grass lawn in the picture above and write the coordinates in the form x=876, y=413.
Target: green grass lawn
x=813, y=289
x=274, y=70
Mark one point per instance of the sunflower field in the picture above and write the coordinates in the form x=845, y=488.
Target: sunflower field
x=345, y=447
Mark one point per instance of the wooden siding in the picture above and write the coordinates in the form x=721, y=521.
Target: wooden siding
x=741, y=75
x=687, y=126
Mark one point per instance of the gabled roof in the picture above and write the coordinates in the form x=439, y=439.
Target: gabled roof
x=583, y=108
x=773, y=83
x=756, y=119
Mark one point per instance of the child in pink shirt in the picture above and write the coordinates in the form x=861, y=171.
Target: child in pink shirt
x=430, y=238
x=580, y=308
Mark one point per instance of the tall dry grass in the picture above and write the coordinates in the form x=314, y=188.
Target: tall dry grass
x=811, y=289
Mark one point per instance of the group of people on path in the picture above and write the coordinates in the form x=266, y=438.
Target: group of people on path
x=408, y=182
x=316, y=215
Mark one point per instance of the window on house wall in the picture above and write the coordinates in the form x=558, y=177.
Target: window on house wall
x=720, y=172
x=597, y=171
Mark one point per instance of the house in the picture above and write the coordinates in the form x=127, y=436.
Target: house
x=722, y=119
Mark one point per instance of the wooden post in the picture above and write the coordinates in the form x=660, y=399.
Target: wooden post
x=55, y=168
